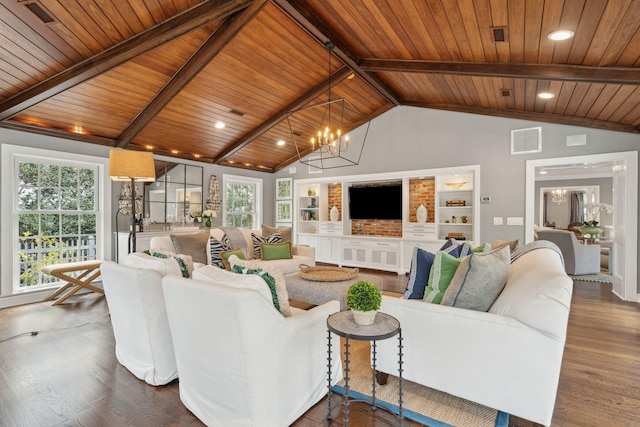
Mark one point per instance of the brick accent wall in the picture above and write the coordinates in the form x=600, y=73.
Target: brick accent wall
x=422, y=191
x=334, y=198
x=380, y=227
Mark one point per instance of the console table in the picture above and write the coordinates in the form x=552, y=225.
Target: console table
x=385, y=326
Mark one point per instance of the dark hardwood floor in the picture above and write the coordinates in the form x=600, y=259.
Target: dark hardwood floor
x=67, y=373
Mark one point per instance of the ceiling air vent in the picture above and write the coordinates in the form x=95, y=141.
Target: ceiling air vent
x=499, y=34
x=237, y=112
x=296, y=133
x=37, y=10
x=527, y=140
x=505, y=92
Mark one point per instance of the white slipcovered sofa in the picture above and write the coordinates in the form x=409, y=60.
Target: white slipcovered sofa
x=508, y=358
x=300, y=254
x=241, y=362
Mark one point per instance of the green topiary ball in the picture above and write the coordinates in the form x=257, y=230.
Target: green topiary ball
x=364, y=296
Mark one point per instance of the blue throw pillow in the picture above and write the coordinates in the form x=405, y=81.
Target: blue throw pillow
x=452, y=247
x=421, y=262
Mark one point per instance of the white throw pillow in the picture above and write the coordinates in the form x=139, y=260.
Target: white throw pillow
x=222, y=277
x=281, y=286
x=164, y=266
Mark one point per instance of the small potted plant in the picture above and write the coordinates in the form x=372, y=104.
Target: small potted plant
x=453, y=219
x=463, y=218
x=364, y=298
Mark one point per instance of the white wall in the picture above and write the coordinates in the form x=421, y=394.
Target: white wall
x=407, y=138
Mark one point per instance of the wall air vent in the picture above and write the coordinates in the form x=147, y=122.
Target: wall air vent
x=237, y=112
x=38, y=11
x=527, y=140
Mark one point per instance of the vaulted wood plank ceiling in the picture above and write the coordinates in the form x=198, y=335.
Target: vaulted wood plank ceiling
x=158, y=74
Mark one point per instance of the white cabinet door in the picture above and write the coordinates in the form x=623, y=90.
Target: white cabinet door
x=385, y=255
x=354, y=253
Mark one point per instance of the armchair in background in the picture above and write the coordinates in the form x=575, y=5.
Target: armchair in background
x=578, y=258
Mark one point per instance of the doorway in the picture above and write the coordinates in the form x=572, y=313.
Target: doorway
x=623, y=168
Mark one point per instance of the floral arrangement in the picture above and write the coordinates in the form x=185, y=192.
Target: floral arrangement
x=209, y=213
x=593, y=212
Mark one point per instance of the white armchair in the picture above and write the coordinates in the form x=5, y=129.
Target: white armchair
x=139, y=318
x=578, y=258
x=241, y=362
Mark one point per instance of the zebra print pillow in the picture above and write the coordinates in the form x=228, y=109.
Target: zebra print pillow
x=257, y=240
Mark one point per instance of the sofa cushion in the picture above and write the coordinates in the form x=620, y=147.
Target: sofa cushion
x=478, y=280
x=216, y=275
x=264, y=271
x=285, y=232
x=271, y=251
x=216, y=248
x=258, y=240
x=513, y=244
x=421, y=262
x=194, y=244
x=442, y=271
x=224, y=256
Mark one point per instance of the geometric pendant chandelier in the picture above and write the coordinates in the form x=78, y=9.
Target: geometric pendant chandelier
x=329, y=134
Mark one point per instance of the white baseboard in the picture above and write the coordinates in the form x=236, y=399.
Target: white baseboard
x=34, y=296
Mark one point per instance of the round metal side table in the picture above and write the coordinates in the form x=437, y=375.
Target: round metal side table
x=385, y=326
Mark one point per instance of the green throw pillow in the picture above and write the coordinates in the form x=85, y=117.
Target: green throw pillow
x=442, y=271
x=224, y=256
x=272, y=251
x=485, y=247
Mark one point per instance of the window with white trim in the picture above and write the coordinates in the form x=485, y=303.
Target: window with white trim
x=242, y=201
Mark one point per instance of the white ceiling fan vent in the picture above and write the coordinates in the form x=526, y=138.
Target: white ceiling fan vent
x=527, y=140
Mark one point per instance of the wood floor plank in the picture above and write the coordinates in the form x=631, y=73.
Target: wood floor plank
x=67, y=374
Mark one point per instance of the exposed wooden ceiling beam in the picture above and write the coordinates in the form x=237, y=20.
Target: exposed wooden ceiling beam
x=211, y=47
x=526, y=115
x=323, y=34
x=573, y=73
x=168, y=30
x=302, y=100
x=57, y=133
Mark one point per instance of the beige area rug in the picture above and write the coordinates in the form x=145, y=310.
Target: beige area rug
x=603, y=278
x=443, y=409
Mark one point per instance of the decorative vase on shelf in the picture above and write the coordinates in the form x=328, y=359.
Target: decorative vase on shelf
x=207, y=223
x=311, y=192
x=334, y=213
x=421, y=214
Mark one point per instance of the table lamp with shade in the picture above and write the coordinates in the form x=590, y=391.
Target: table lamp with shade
x=132, y=166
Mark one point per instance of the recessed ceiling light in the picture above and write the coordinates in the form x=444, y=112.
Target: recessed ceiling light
x=350, y=76
x=197, y=156
x=174, y=151
x=543, y=172
x=280, y=143
x=149, y=147
x=561, y=35
x=219, y=125
x=546, y=95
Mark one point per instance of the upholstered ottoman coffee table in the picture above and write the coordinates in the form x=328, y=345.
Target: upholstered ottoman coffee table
x=315, y=292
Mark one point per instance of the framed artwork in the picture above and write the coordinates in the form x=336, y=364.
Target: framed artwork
x=284, y=188
x=283, y=210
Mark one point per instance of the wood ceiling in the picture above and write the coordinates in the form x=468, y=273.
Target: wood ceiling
x=161, y=73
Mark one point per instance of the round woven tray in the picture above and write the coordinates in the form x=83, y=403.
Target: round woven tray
x=327, y=274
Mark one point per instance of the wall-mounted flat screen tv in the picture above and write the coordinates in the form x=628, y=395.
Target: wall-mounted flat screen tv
x=375, y=202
